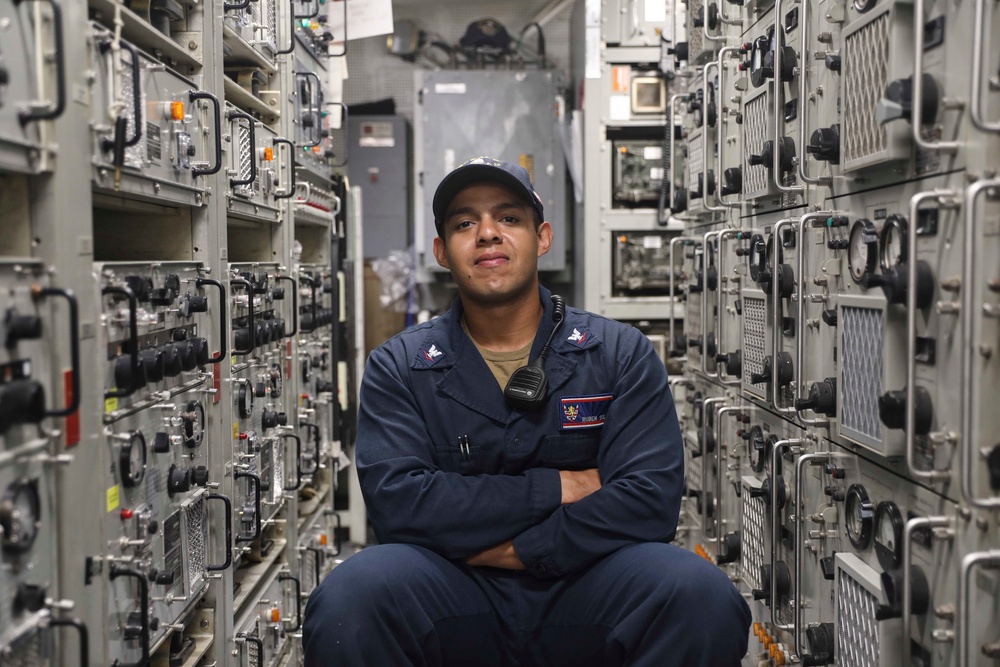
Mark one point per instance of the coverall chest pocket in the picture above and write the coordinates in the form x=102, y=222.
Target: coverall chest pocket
x=570, y=450
x=463, y=458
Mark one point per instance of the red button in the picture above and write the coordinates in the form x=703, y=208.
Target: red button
x=126, y=514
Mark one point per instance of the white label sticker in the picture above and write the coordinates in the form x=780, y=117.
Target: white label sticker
x=621, y=107
x=652, y=153
x=652, y=242
x=656, y=173
x=656, y=10
x=449, y=88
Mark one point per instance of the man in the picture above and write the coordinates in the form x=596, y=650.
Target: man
x=512, y=536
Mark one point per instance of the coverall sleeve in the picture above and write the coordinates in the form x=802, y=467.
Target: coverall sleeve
x=641, y=464
x=410, y=500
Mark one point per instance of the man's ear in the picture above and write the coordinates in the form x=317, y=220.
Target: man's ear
x=544, y=238
x=439, y=254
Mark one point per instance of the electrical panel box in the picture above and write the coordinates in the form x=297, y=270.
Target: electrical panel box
x=508, y=115
x=380, y=159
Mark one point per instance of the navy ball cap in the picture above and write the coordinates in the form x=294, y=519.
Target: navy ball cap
x=513, y=176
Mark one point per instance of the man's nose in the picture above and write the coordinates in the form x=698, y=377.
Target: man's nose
x=489, y=230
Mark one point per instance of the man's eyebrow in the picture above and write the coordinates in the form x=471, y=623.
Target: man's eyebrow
x=502, y=206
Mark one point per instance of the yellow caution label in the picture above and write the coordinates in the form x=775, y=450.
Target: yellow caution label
x=110, y=404
x=113, y=498
x=232, y=360
x=236, y=430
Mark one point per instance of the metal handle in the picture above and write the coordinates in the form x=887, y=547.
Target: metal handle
x=719, y=139
x=256, y=495
x=74, y=349
x=797, y=550
x=223, y=320
x=969, y=563
x=295, y=302
x=83, y=636
x=308, y=76
x=779, y=101
x=973, y=232
x=917, y=112
x=199, y=95
x=704, y=26
x=57, y=108
x=336, y=531
x=238, y=115
x=250, y=323
x=670, y=177
x=285, y=576
x=133, y=340
x=978, y=28
x=291, y=31
x=229, y=532
x=290, y=192
x=723, y=235
x=243, y=4
x=708, y=239
x=318, y=556
x=803, y=46
x=705, y=157
x=347, y=144
x=256, y=641
x=911, y=335
x=312, y=297
x=793, y=444
x=673, y=298
x=719, y=462
x=776, y=313
x=705, y=405
x=114, y=572
x=908, y=529
x=108, y=144
x=298, y=463
x=800, y=320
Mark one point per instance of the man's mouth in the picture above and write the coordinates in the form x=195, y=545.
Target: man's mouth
x=491, y=259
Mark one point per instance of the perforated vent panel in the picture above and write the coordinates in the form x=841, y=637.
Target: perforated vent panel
x=753, y=337
x=197, y=536
x=25, y=652
x=277, y=472
x=135, y=156
x=857, y=629
x=865, y=68
x=754, y=136
x=696, y=39
x=254, y=658
x=752, y=547
x=244, y=156
x=862, y=370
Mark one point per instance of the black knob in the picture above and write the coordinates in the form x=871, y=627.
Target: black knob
x=835, y=472
x=733, y=362
x=196, y=303
x=785, y=282
x=993, y=464
x=124, y=375
x=834, y=493
x=161, y=443
x=821, y=648
x=29, y=597
x=141, y=286
x=200, y=347
x=898, y=101
x=698, y=20
x=152, y=364
x=161, y=296
x=172, y=363
x=681, y=51
x=262, y=332
x=680, y=201
x=742, y=251
x=241, y=338
x=199, y=476
x=765, y=157
x=892, y=584
x=278, y=328
x=161, y=577
x=282, y=419
x=133, y=628
x=277, y=293
x=4, y=76
x=894, y=283
x=21, y=327
x=323, y=386
x=178, y=480
x=260, y=390
x=892, y=410
x=786, y=154
x=268, y=419
x=730, y=549
x=186, y=354
x=784, y=371
x=191, y=150
x=21, y=402
x=838, y=244
x=822, y=398
x=833, y=63
x=732, y=181
x=153, y=527
x=830, y=317
x=783, y=582
x=824, y=144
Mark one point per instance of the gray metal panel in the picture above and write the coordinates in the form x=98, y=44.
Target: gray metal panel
x=506, y=115
x=379, y=165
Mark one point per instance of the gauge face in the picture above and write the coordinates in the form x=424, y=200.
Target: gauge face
x=888, y=535
x=132, y=460
x=20, y=512
x=245, y=400
x=863, y=250
x=194, y=423
x=860, y=516
x=893, y=240
x=276, y=382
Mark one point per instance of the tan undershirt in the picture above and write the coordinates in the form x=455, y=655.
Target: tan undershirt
x=501, y=364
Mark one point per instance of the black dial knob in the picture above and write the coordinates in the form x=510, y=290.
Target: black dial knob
x=892, y=410
x=161, y=577
x=178, y=480
x=730, y=550
x=152, y=364
x=29, y=597
x=765, y=157
x=262, y=332
x=245, y=400
x=260, y=390
x=126, y=377
x=201, y=352
x=141, y=286
x=196, y=303
x=194, y=423
x=786, y=154
x=898, y=101
x=698, y=20
x=21, y=402
x=4, y=76
x=893, y=583
x=732, y=181
x=784, y=371
x=821, y=647
x=832, y=62
x=733, y=362
x=161, y=443
x=782, y=579
x=186, y=353
x=893, y=282
x=133, y=627
x=199, y=476
x=679, y=203
x=324, y=386
x=713, y=16
x=993, y=464
x=20, y=327
x=268, y=419
x=161, y=296
x=172, y=364
x=242, y=338
x=822, y=398
x=824, y=144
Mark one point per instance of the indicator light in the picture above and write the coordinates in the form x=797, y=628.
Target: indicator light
x=176, y=111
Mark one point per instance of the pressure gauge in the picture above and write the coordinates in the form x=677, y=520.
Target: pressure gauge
x=275, y=380
x=888, y=535
x=893, y=241
x=20, y=512
x=194, y=423
x=132, y=460
x=863, y=250
x=860, y=515
x=245, y=399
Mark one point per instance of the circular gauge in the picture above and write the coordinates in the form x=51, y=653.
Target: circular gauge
x=245, y=400
x=759, y=449
x=863, y=250
x=194, y=423
x=132, y=460
x=863, y=5
x=893, y=242
x=20, y=512
x=757, y=259
x=860, y=513
x=275, y=380
x=888, y=535
x=758, y=70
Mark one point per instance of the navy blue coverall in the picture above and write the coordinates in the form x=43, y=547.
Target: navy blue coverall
x=448, y=470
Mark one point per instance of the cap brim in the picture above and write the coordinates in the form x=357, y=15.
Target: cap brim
x=454, y=182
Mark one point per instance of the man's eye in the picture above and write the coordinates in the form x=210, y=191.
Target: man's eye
x=509, y=218
x=464, y=224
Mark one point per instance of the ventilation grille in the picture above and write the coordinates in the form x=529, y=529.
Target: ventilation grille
x=197, y=536
x=857, y=629
x=862, y=371
x=694, y=163
x=277, y=472
x=752, y=549
x=245, y=157
x=307, y=571
x=753, y=337
x=696, y=39
x=135, y=156
x=865, y=66
x=271, y=24
x=254, y=658
x=26, y=652
x=754, y=136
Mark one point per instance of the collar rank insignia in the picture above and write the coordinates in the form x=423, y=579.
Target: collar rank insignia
x=432, y=355
x=578, y=337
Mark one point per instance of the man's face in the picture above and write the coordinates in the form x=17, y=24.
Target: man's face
x=490, y=243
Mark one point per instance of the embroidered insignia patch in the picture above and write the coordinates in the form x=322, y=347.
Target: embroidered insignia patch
x=578, y=337
x=583, y=411
x=432, y=355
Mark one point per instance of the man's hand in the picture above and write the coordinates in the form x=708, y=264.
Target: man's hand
x=578, y=484
x=502, y=556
